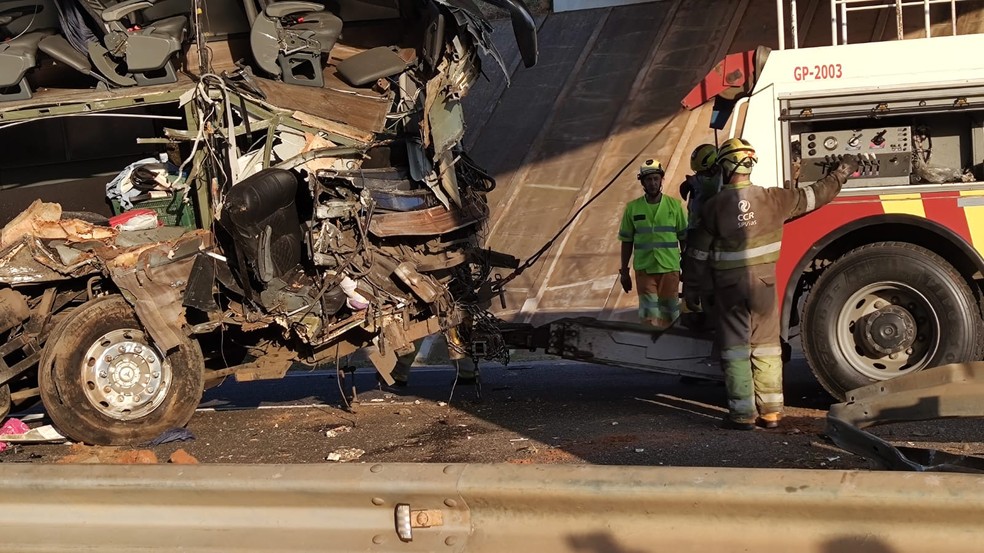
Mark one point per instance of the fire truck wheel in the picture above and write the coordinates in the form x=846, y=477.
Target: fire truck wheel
x=104, y=382
x=888, y=309
x=4, y=401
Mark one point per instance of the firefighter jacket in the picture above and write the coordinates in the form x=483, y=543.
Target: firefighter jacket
x=741, y=225
x=699, y=189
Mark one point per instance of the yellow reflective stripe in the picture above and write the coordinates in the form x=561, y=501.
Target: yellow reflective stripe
x=741, y=406
x=735, y=354
x=811, y=199
x=975, y=219
x=749, y=253
x=903, y=204
x=771, y=398
x=774, y=351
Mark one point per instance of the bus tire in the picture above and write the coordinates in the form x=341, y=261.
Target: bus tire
x=104, y=382
x=888, y=309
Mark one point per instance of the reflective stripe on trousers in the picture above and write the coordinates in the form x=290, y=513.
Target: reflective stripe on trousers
x=748, y=330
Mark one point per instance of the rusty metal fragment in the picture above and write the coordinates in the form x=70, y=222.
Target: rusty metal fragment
x=950, y=391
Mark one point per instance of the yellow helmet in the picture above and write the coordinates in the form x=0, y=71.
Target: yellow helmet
x=736, y=155
x=704, y=157
x=651, y=166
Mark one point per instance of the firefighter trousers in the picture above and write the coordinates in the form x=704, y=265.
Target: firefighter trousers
x=748, y=334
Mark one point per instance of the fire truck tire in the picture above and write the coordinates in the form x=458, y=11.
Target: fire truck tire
x=104, y=382
x=4, y=401
x=888, y=309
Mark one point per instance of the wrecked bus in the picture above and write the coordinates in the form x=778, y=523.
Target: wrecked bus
x=309, y=169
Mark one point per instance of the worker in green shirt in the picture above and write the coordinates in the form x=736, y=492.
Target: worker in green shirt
x=653, y=230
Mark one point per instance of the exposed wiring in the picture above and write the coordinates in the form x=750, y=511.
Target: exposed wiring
x=30, y=24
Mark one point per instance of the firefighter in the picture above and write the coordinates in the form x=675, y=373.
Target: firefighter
x=696, y=190
x=739, y=238
x=652, y=231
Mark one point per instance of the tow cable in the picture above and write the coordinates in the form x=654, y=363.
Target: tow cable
x=499, y=284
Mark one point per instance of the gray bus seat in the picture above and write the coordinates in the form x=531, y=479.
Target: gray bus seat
x=128, y=56
x=17, y=57
x=58, y=48
x=24, y=16
x=289, y=38
x=369, y=66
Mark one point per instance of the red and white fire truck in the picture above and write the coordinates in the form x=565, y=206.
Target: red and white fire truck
x=886, y=280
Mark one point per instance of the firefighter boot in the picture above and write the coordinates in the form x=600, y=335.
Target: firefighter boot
x=769, y=420
x=730, y=424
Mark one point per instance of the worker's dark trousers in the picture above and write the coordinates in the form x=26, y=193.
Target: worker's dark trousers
x=748, y=332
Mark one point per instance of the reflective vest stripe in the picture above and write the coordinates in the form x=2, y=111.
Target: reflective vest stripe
x=750, y=253
x=811, y=199
x=654, y=230
x=654, y=245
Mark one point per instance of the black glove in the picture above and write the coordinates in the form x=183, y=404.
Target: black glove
x=691, y=298
x=848, y=165
x=686, y=189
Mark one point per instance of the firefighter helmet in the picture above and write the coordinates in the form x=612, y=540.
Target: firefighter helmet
x=704, y=157
x=736, y=155
x=651, y=166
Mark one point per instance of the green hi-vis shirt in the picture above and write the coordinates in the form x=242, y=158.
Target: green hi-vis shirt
x=655, y=231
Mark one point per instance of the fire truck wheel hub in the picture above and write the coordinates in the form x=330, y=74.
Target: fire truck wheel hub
x=889, y=330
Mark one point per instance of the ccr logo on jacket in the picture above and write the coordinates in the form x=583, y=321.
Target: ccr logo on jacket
x=746, y=217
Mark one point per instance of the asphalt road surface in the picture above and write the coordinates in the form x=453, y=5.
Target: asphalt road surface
x=541, y=412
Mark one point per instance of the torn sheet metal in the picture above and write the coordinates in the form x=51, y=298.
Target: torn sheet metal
x=153, y=279
x=949, y=391
x=43, y=220
x=19, y=266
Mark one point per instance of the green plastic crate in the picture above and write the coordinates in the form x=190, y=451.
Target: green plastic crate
x=172, y=211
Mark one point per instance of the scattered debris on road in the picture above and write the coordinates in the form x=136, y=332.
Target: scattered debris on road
x=345, y=454
x=334, y=432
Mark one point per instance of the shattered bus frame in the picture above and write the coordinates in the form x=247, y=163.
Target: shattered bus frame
x=314, y=238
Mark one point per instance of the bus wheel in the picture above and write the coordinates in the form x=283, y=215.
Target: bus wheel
x=104, y=382
x=885, y=310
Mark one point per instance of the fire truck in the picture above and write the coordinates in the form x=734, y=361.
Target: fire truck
x=886, y=280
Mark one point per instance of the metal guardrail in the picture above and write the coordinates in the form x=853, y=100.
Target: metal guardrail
x=484, y=508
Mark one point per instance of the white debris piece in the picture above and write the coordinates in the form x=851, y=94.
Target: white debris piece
x=334, y=432
x=345, y=454
x=37, y=435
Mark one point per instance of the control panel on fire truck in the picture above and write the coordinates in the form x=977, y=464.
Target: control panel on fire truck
x=884, y=154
